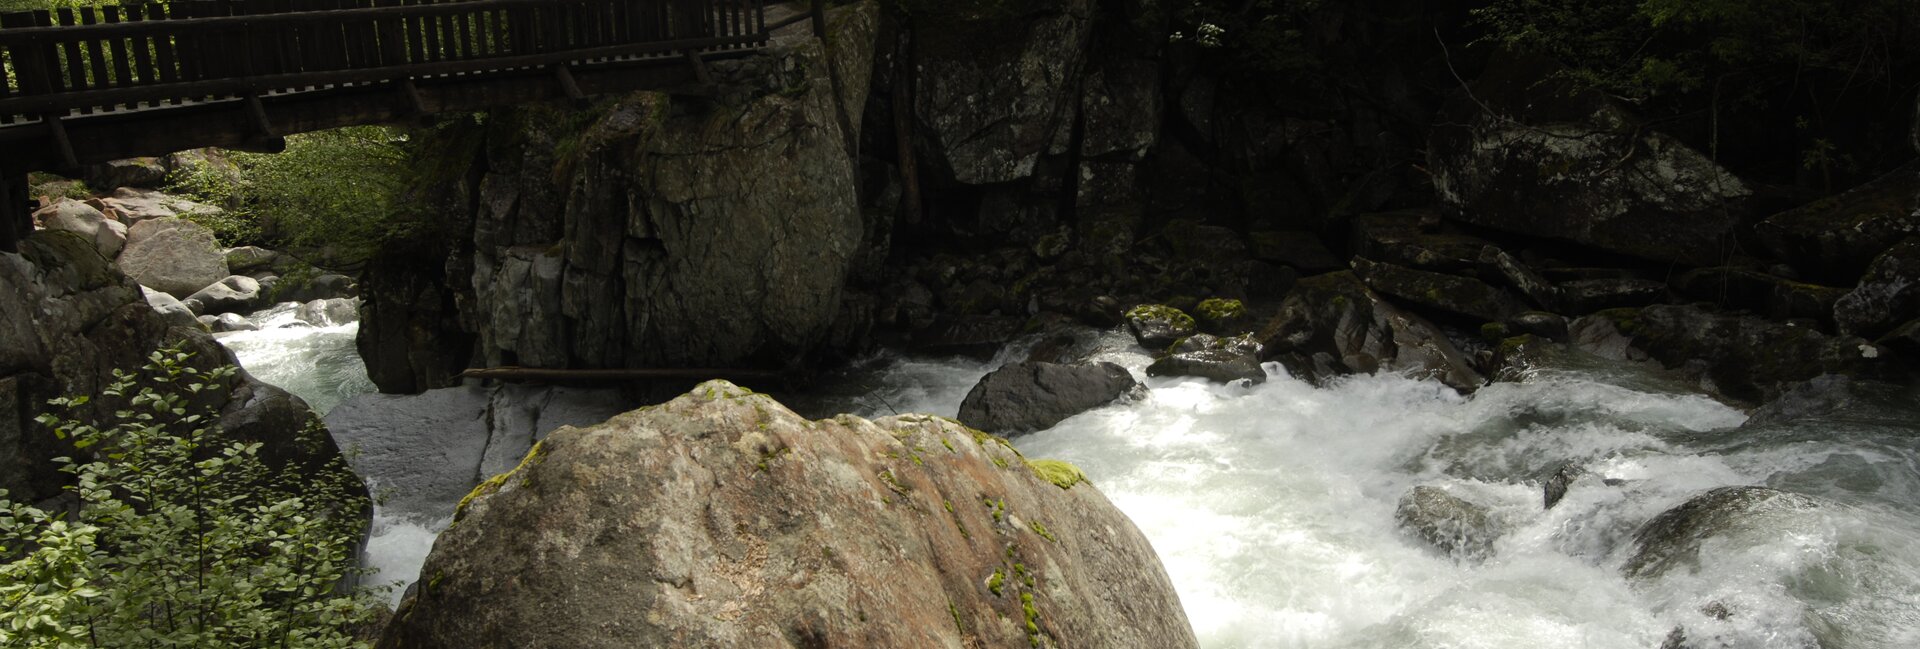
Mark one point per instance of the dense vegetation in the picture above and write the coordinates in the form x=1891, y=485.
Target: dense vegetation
x=178, y=535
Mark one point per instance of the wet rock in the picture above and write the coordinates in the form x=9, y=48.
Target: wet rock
x=1453, y=294
x=1738, y=357
x=1887, y=296
x=169, y=309
x=131, y=172
x=1836, y=238
x=1583, y=296
x=1676, y=537
x=227, y=322
x=235, y=294
x=1223, y=360
x=905, y=531
x=1563, y=479
x=108, y=236
x=1574, y=166
x=432, y=448
x=1332, y=325
x=1451, y=524
x=1221, y=316
x=1830, y=395
x=172, y=255
x=1156, y=326
x=1025, y=397
x=410, y=335
x=1773, y=296
x=330, y=312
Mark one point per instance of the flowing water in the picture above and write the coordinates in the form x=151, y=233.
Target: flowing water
x=1272, y=506
x=317, y=364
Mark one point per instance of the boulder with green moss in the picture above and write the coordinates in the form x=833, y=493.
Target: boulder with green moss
x=723, y=519
x=1159, y=325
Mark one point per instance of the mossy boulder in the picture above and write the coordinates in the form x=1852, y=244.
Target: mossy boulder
x=1221, y=316
x=1759, y=292
x=1157, y=325
x=723, y=519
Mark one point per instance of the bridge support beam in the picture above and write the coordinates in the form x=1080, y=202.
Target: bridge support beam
x=16, y=212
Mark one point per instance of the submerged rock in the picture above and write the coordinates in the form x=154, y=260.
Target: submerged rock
x=1676, y=537
x=1025, y=397
x=722, y=519
x=1449, y=523
x=1224, y=360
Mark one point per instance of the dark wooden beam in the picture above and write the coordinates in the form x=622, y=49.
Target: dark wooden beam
x=227, y=124
x=16, y=212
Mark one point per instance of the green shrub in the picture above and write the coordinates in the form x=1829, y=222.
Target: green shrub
x=182, y=536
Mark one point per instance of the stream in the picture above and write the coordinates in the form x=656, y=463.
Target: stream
x=1272, y=506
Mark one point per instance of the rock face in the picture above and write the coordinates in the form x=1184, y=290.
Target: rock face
x=997, y=83
x=109, y=236
x=1449, y=523
x=1558, y=166
x=1333, y=325
x=1025, y=397
x=131, y=172
x=70, y=320
x=722, y=519
x=172, y=255
x=1454, y=294
x=1675, y=537
x=1888, y=295
x=653, y=231
x=432, y=448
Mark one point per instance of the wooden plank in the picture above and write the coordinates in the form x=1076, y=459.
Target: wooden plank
x=122, y=63
x=413, y=30
x=73, y=66
x=464, y=29
x=95, y=51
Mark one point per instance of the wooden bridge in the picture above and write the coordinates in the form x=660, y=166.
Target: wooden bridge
x=82, y=86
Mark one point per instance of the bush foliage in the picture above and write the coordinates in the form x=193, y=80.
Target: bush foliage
x=180, y=535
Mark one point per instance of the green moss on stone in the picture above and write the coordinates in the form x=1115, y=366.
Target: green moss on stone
x=996, y=582
x=1219, y=309
x=1179, y=319
x=493, y=484
x=1061, y=474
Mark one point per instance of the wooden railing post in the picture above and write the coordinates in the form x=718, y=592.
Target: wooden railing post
x=820, y=19
x=16, y=214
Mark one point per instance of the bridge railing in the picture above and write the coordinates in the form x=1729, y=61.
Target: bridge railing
x=112, y=59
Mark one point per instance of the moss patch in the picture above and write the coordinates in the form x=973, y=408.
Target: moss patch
x=493, y=484
x=1161, y=312
x=1061, y=474
x=1218, y=309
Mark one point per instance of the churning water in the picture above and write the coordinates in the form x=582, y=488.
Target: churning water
x=1272, y=506
x=317, y=364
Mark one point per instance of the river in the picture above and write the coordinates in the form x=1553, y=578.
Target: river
x=1272, y=506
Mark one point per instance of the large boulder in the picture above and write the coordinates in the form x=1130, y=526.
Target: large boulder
x=246, y=260
x=1414, y=239
x=235, y=294
x=1332, y=325
x=722, y=519
x=329, y=312
x=1157, y=325
x=172, y=310
x=996, y=84
x=134, y=205
x=1515, y=153
x=172, y=255
x=1224, y=360
x=1449, y=523
x=1836, y=238
x=1736, y=356
x=1887, y=296
x=1025, y=397
x=1771, y=295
